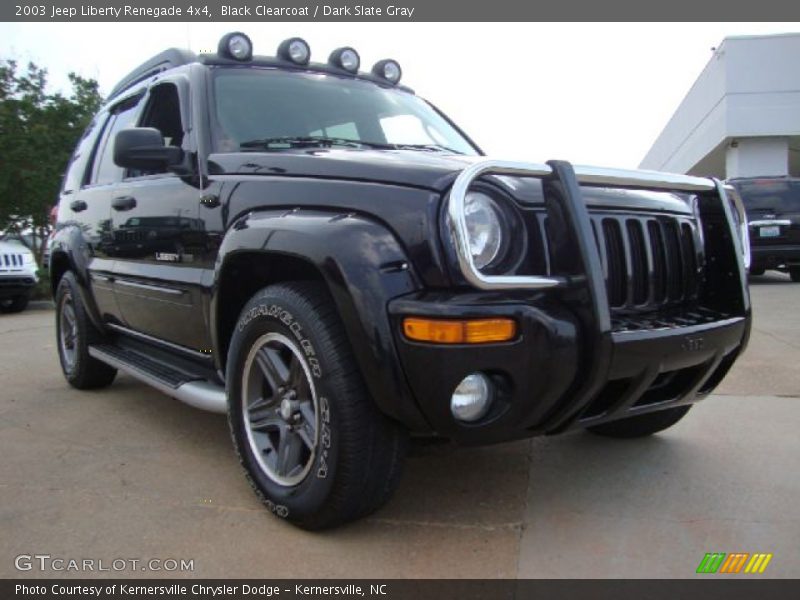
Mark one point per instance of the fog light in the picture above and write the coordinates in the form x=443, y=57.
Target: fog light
x=345, y=58
x=236, y=45
x=472, y=398
x=295, y=50
x=389, y=70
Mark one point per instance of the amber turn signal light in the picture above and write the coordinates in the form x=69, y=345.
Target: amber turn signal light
x=462, y=331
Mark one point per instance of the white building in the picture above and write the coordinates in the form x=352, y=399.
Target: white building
x=741, y=118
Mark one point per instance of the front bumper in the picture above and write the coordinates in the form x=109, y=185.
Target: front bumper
x=12, y=286
x=539, y=375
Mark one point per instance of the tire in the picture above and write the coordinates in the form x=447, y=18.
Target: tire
x=641, y=425
x=14, y=305
x=74, y=334
x=794, y=273
x=757, y=271
x=312, y=442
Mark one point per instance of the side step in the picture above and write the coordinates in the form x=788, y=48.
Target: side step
x=192, y=389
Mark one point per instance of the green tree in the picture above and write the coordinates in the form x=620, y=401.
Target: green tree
x=38, y=131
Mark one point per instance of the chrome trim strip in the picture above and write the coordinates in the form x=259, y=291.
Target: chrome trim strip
x=146, y=286
x=200, y=394
x=159, y=342
x=457, y=224
x=768, y=222
x=734, y=200
x=586, y=175
x=652, y=180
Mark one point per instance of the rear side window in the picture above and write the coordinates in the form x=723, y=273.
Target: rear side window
x=105, y=171
x=76, y=169
x=770, y=195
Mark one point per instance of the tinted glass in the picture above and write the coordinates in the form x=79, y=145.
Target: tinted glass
x=267, y=103
x=779, y=195
x=105, y=170
x=76, y=170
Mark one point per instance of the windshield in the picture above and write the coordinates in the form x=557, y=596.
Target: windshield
x=258, y=107
x=772, y=195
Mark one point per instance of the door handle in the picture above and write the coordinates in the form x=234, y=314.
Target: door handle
x=123, y=203
x=78, y=205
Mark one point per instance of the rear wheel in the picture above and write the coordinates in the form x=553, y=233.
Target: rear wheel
x=313, y=444
x=641, y=425
x=14, y=305
x=794, y=273
x=75, y=333
x=757, y=271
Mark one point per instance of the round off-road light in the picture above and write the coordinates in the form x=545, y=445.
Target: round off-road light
x=345, y=58
x=295, y=50
x=236, y=45
x=472, y=398
x=389, y=70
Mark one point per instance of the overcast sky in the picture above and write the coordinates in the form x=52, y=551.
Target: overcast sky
x=589, y=93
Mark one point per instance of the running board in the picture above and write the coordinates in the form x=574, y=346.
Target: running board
x=194, y=391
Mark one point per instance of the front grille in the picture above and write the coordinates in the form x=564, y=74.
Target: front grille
x=10, y=262
x=649, y=262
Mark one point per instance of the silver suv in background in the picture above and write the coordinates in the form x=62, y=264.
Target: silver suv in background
x=18, y=276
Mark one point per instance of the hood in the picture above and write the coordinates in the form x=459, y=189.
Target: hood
x=427, y=170
x=13, y=248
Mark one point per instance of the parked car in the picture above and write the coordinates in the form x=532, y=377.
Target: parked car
x=773, y=212
x=18, y=276
x=354, y=270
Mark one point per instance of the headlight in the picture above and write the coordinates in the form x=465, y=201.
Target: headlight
x=27, y=258
x=488, y=232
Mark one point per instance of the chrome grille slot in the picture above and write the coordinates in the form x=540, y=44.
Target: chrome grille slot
x=649, y=262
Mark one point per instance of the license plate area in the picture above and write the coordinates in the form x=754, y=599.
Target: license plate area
x=769, y=231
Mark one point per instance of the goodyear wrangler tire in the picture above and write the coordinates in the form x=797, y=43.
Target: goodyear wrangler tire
x=313, y=444
x=75, y=333
x=642, y=425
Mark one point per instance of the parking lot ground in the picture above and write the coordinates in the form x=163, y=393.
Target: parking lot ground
x=129, y=473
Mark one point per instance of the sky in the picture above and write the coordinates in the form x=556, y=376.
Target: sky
x=590, y=93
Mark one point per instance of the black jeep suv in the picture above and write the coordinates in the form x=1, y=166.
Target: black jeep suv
x=325, y=257
x=772, y=205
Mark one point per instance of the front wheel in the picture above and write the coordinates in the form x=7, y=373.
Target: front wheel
x=14, y=305
x=312, y=442
x=641, y=425
x=794, y=273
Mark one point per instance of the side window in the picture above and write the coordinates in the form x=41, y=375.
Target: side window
x=105, y=171
x=76, y=173
x=163, y=112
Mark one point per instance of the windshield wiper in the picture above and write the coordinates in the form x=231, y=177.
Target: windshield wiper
x=315, y=141
x=295, y=141
x=429, y=147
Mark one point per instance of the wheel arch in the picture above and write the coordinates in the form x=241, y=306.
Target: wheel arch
x=360, y=262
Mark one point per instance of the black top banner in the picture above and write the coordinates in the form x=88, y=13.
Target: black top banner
x=399, y=10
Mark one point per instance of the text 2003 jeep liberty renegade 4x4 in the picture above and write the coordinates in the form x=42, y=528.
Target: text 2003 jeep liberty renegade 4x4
x=325, y=257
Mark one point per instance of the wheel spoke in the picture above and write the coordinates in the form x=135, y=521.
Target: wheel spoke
x=265, y=418
x=273, y=367
x=289, y=448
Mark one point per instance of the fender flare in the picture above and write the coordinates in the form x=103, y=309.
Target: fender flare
x=69, y=244
x=363, y=265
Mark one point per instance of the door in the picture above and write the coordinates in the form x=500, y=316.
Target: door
x=86, y=200
x=157, y=236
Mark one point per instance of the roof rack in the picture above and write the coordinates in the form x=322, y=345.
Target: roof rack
x=174, y=57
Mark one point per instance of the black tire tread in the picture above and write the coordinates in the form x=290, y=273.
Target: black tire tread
x=89, y=373
x=372, y=449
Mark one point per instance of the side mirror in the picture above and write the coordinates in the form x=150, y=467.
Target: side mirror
x=143, y=148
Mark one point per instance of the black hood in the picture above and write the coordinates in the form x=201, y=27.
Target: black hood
x=421, y=169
